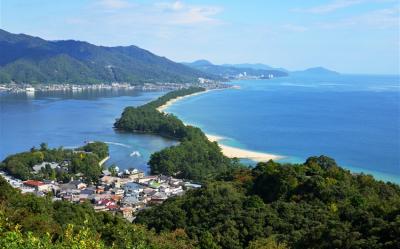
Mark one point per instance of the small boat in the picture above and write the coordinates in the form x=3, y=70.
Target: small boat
x=30, y=89
x=135, y=153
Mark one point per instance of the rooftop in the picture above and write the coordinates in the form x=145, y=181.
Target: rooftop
x=33, y=183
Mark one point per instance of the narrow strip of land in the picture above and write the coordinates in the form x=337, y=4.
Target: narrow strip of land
x=172, y=101
x=228, y=151
x=232, y=152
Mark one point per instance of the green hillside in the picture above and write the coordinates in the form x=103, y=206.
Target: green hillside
x=27, y=59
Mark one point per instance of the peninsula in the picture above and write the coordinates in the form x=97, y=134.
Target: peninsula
x=229, y=151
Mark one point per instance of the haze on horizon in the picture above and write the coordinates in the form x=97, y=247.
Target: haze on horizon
x=349, y=36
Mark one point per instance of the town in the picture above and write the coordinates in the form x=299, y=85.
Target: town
x=124, y=192
x=32, y=88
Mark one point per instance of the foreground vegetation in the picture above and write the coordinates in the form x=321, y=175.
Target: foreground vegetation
x=84, y=160
x=195, y=157
x=312, y=205
x=27, y=221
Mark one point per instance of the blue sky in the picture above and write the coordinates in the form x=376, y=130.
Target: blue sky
x=350, y=36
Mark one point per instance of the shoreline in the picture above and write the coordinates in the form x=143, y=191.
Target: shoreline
x=172, y=101
x=232, y=152
x=228, y=151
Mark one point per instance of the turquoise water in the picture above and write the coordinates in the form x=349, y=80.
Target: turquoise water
x=71, y=118
x=352, y=118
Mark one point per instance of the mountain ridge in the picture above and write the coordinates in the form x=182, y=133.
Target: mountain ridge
x=29, y=59
x=229, y=71
x=316, y=71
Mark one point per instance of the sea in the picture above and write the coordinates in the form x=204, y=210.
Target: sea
x=354, y=119
x=72, y=118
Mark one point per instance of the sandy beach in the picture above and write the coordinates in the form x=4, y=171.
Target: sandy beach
x=172, y=101
x=228, y=151
x=232, y=152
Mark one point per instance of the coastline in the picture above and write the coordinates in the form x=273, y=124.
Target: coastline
x=172, y=101
x=232, y=152
x=228, y=151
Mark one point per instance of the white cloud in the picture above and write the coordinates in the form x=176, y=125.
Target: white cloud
x=114, y=4
x=159, y=13
x=196, y=15
x=183, y=14
x=174, y=6
x=378, y=19
x=337, y=5
x=330, y=7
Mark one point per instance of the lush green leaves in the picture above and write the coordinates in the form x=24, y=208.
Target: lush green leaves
x=27, y=221
x=85, y=160
x=312, y=205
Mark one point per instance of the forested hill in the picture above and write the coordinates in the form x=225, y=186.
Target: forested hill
x=312, y=205
x=28, y=59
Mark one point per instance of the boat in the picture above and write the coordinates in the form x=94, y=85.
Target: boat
x=30, y=89
x=135, y=153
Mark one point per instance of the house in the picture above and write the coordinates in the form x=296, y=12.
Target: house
x=146, y=179
x=192, y=185
x=149, y=191
x=100, y=208
x=154, y=184
x=175, y=182
x=43, y=165
x=134, y=174
x=116, y=198
x=158, y=198
x=133, y=187
x=68, y=187
x=106, y=172
x=109, y=179
x=117, y=191
x=99, y=189
x=88, y=191
x=37, y=185
x=127, y=213
x=78, y=184
x=130, y=200
x=172, y=190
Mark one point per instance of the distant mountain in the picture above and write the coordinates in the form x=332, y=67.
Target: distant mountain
x=28, y=59
x=200, y=63
x=259, y=66
x=232, y=71
x=316, y=71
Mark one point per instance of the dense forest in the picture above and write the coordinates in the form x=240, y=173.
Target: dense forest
x=147, y=119
x=84, y=160
x=272, y=206
x=195, y=158
x=31, y=222
x=312, y=205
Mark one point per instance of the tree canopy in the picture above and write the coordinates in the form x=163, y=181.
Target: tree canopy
x=83, y=160
x=312, y=205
